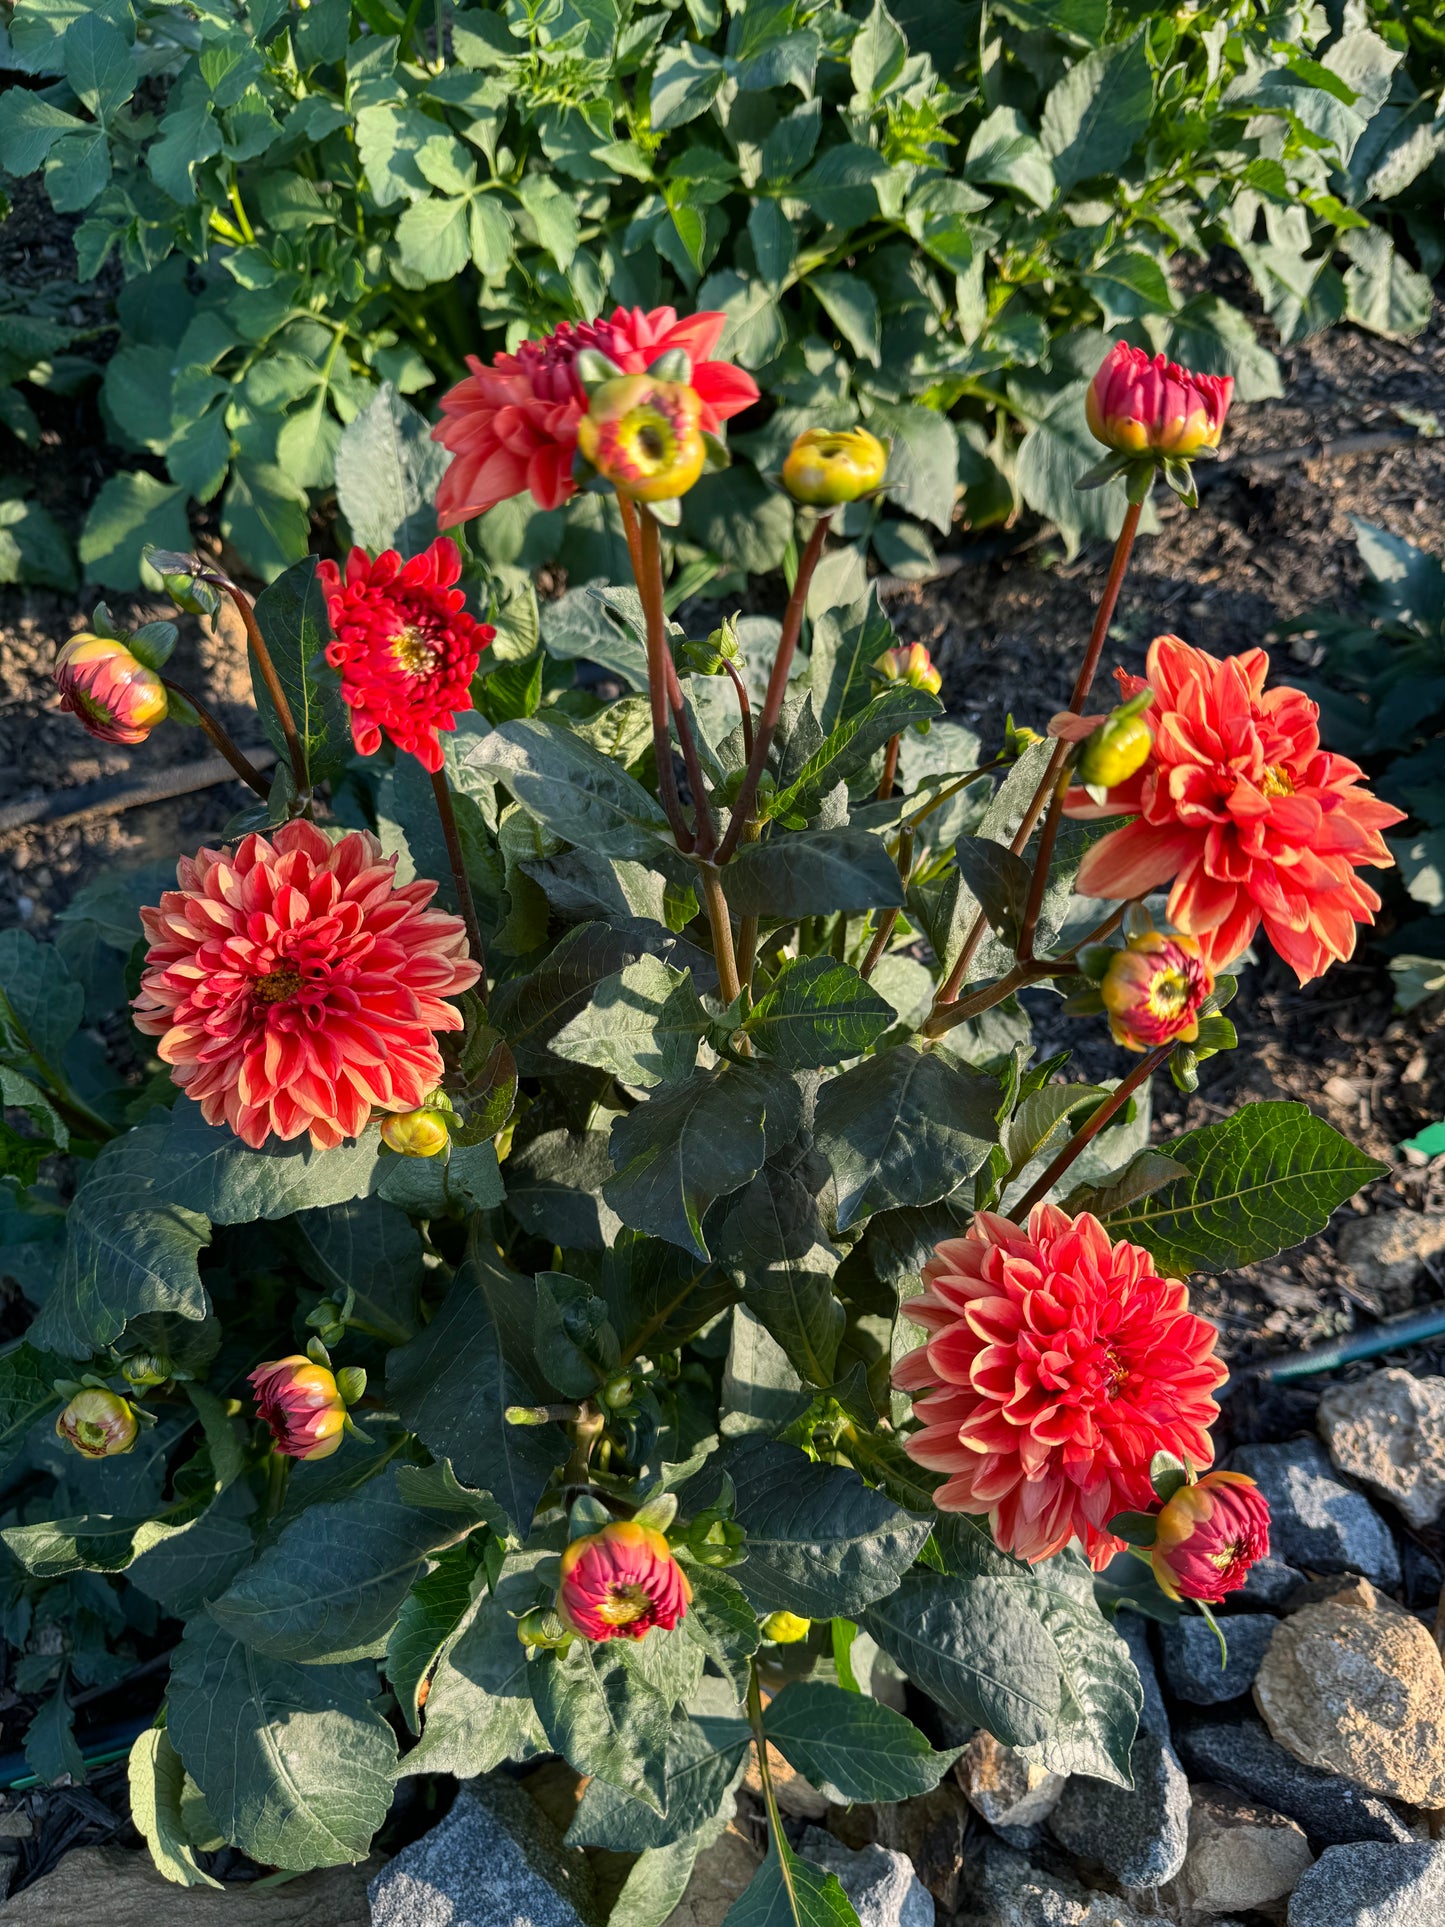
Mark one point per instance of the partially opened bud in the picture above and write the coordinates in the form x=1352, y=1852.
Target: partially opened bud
x=1153, y=990
x=620, y=1582
x=300, y=1405
x=1142, y=405
x=421, y=1133
x=1209, y=1535
x=645, y=437
x=826, y=467
x=911, y=664
x=112, y=692
x=786, y=1629
x=99, y=1424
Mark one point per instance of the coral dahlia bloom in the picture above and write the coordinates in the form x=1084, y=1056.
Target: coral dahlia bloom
x=115, y=696
x=513, y=426
x=405, y=645
x=300, y=1406
x=1209, y=1535
x=621, y=1582
x=1057, y=1366
x=295, y=986
x=1243, y=812
x=1143, y=405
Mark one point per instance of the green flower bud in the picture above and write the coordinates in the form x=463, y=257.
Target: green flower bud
x=1117, y=750
x=786, y=1629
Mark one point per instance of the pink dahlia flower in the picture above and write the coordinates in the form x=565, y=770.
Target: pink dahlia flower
x=295, y=986
x=513, y=426
x=1209, y=1535
x=1243, y=813
x=1058, y=1365
x=1139, y=404
x=115, y=696
x=300, y=1406
x=621, y=1582
x=405, y=645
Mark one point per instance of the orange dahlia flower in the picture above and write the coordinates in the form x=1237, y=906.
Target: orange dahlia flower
x=1240, y=809
x=621, y=1582
x=405, y=646
x=1058, y=1365
x=295, y=986
x=513, y=426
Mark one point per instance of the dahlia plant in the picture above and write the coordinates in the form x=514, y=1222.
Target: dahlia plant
x=579, y=1253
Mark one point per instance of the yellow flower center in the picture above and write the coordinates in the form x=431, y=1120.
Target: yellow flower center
x=279, y=984
x=413, y=654
x=624, y=1603
x=1227, y=1556
x=1168, y=994
x=645, y=437
x=1277, y=781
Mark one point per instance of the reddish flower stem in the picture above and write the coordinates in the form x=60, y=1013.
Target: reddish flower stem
x=657, y=690
x=890, y=769
x=212, y=725
x=745, y=708
x=1083, y=682
x=720, y=922
x=706, y=838
x=463, y=882
x=1086, y=1133
x=890, y=917
x=272, y=681
x=777, y=688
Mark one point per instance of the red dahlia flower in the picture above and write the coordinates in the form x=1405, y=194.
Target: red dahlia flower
x=1143, y=405
x=1240, y=808
x=1153, y=990
x=116, y=697
x=300, y=1406
x=621, y=1582
x=1058, y=1365
x=1209, y=1535
x=405, y=646
x=294, y=985
x=513, y=426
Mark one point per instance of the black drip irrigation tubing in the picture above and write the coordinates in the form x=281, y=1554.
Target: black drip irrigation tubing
x=1410, y=1328
x=104, y=1747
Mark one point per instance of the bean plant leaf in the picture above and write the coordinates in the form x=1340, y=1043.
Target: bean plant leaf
x=295, y=1762
x=1256, y=1183
x=850, y=1747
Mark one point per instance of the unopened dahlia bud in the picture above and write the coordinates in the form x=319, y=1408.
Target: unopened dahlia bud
x=911, y=664
x=786, y=1629
x=1118, y=749
x=145, y=1368
x=645, y=437
x=826, y=467
x=99, y=1424
x=421, y=1133
x=115, y=696
x=621, y=1582
x=1153, y=990
x=542, y=1628
x=301, y=1406
x=1143, y=405
x=1209, y=1535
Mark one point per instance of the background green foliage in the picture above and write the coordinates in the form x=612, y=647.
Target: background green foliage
x=925, y=216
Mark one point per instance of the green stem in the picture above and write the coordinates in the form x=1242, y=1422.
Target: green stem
x=233, y=195
x=720, y=922
x=1086, y=1133
x=765, y=1775
x=211, y=724
x=890, y=917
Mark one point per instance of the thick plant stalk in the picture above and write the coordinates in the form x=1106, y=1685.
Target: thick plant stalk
x=777, y=688
x=279, y=702
x=212, y=725
x=1086, y=1133
x=657, y=691
x=720, y=922
x=1083, y=682
x=890, y=769
x=463, y=882
x=653, y=606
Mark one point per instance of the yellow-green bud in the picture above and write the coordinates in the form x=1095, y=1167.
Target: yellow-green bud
x=99, y=1424
x=419, y=1134
x=786, y=1629
x=1117, y=750
x=826, y=467
x=542, y=1628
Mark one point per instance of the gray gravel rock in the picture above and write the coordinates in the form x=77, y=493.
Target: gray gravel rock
x=1369, y=1885
x=492, y=1862
x=1192, y=1666
x=1314, y=1520
x=1239, y=1752
x=1009, y=1892
x=1388, y=1431
x=1270, y=1583
x=884, y=1889
x=1140, y=1834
